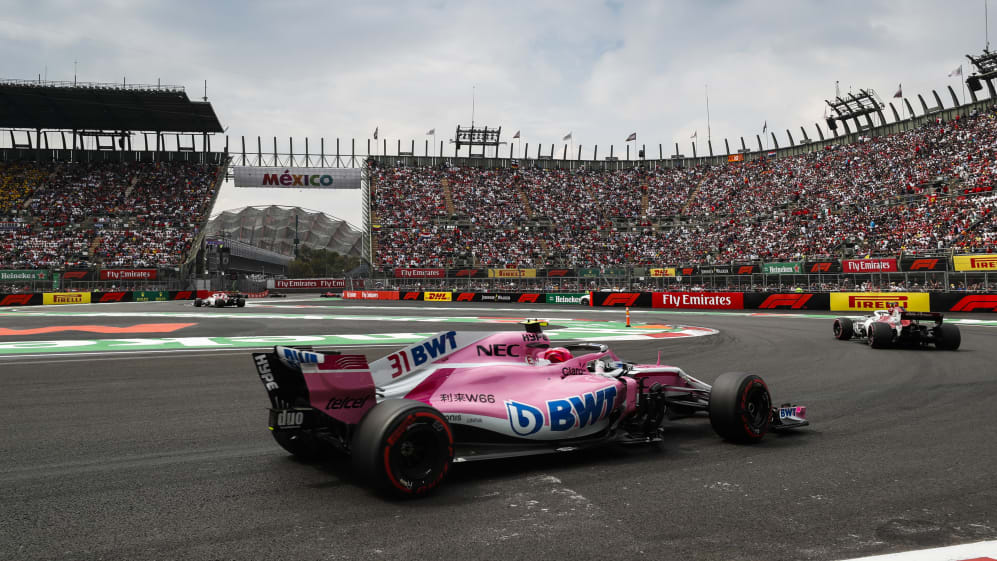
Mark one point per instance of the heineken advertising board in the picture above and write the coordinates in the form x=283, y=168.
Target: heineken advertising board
x=791, y=268
x=24, y=275
x=562, y=298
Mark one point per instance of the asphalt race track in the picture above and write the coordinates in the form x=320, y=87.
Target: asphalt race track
x=151, y=453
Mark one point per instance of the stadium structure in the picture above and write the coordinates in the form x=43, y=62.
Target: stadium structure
x=478, y=215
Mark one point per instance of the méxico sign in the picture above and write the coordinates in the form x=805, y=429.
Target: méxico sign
x=790, y=268
x=26, y=275
x=297, y=178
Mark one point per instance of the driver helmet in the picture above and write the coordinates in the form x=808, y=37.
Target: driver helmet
x=557, y=354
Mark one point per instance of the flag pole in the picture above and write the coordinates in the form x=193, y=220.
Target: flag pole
x=708, y=136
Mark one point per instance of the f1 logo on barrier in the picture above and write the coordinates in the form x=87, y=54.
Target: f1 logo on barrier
x=532, y=297
x=465, y=297
x=745, y=269
x=621, y=299
x=16, y=300
x=821, y=268
x=972, y=303
x=111, y=297
x=794, y=301
x=411, y=296
x=929, y=264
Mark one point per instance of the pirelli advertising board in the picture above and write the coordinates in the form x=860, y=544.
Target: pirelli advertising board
x=869, y=301
x=51, y=298
x=512, y=273
x=982, y=262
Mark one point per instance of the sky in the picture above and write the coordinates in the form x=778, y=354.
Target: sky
x=599, y=70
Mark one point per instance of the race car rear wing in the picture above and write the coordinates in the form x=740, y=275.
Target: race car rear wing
x=933, y=316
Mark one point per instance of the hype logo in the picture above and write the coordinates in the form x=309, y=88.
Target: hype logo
x=525, y=419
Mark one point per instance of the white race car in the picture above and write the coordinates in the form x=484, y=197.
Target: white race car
x=221, y=300
x=899, y=327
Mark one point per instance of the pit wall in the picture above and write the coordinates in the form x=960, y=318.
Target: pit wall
x=819, y=301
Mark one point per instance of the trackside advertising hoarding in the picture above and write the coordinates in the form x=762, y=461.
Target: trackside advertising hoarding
x=791, y=268
x=128, y=274
x=564, y=298
x=869, y=266
x=699, y=300
x=370, y=295
x=309, y=283
x=420, y=273
x=25, y=275
x=665, y=272
x=869, y=301
x=982, y=262
x=50, y=298
x=512, y=273
x=297, y=178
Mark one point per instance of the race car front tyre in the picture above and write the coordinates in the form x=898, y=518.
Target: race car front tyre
x=240, y=302
x=301, y=445
x=198, y=302
x=219, y=303
x=947, y=337
x=843, y=329
x=740, y=407
x=404, y=447
x=880, y=335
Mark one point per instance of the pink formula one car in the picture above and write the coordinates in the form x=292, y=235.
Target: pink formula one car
x=463, y=396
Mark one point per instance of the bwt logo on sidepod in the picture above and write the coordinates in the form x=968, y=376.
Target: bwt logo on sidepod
x=876, y=302
x=562, y=414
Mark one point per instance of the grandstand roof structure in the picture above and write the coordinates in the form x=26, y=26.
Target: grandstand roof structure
x=273, y=228
x=118, y=107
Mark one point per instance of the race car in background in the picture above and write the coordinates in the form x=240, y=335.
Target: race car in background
x=898, y=327
x=221, y=300
x=467, y=396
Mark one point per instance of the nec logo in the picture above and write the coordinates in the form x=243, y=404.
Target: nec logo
x=745, y=269
x=528, y=298
x=821, y=268
x=794, y=301
x=411, y=296
x=876, y=302
x=970, y=303
x=983, y=262
x=621, y=299
x=929, y=264
x=465, y=297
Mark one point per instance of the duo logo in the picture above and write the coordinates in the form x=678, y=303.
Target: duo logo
x=562, y=414
x=794, y=301
x=976, y=302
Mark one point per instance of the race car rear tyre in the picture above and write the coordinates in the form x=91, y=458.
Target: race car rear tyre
x=404, y=447
x=198, y=302
x=880, y=335
x=843, y=329
x=219, y=303
x=740, y=407
x=240, y=302
x=301, y=445
x=947, y=337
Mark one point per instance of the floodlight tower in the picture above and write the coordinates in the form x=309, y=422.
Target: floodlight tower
x=477, y=136
x=853, y=106
x=986, y=71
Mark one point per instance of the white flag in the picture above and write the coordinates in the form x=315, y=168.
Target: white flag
x=516, y=135
x=431, y=132
x=694, y=134
x=567, y=137
x=900, y=91
x=956, y=72
x=375, y=132
x=632, y=137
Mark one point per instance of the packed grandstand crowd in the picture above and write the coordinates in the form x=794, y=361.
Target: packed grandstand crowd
x=112, y=215
x=930, y=188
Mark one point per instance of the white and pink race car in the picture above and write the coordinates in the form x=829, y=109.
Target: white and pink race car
x=465, y=396
x=221, y=300
x=898, y=327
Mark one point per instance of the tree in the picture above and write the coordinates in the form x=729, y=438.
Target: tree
x=312, y=263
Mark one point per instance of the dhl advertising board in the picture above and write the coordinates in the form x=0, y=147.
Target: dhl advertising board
x=869, y=301
x=437, y=296
x=663, y=272
x=50, y=298
x=975, y=262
